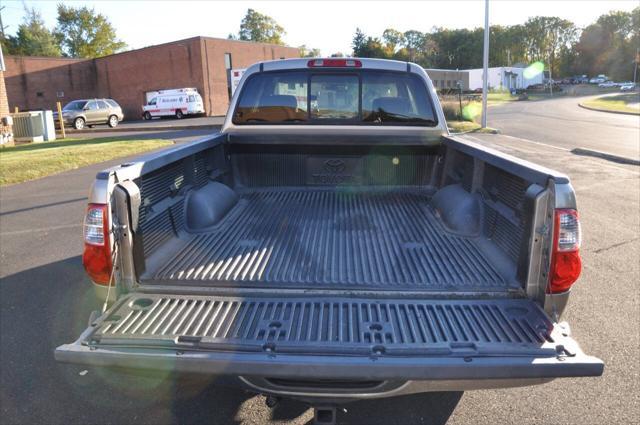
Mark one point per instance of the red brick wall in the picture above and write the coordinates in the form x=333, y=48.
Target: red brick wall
x=26, y=77
x=126, y=77
x=4, y=111
x=33, y=83
x=4, y=104
x=243, y=54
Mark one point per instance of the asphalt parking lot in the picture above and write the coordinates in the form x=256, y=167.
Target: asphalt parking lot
x=45, y=301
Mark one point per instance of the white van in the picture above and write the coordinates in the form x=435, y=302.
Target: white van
x=174, y=102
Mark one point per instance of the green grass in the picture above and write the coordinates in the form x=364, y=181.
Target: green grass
x=468, y=126
x=628, y=102
x=36, y=160
x=495, y=98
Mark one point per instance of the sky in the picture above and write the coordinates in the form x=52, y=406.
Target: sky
x=327, y=25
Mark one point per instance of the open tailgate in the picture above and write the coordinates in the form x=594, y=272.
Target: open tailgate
x=350, y=338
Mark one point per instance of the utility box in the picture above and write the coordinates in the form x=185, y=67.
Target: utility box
x=28, y=127
x=48, y=125
x=33, y=127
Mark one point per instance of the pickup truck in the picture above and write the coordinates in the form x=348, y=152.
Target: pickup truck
x=334, y=242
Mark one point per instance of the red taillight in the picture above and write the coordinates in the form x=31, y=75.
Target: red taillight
x=334, y=63
x=96, y=257
x=565, y=260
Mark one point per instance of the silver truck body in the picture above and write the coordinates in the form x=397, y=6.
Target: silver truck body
x=243, y=258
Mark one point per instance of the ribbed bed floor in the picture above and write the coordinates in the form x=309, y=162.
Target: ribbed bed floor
x=328, y=239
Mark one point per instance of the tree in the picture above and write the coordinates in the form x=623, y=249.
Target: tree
x=414, y=41
x=408, y=46
x=371, y=47
x=260, y=28
x=457, y=48
x=83, y=33
x=308, y=52
x=506, y=45
x=32, y=38
x=623, y=42
x=393, y=39
x=546, y=37
x=609, y=45
x=359, y=41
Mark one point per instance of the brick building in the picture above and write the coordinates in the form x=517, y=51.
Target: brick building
x=6, y=131
x=34, y=83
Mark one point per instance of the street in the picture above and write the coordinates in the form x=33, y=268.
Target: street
x=45, y=300
x=561, y=123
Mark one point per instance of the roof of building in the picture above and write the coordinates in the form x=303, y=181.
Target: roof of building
x=153, y=46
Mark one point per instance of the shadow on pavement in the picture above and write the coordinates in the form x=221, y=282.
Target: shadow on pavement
x=46, y=306
x=36, y=207
x=426, y=408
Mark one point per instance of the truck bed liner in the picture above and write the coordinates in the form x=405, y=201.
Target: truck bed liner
x=326, y=337
x=338, y=324
x=329, y=239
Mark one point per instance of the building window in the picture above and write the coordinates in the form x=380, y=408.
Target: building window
x=39, y=94
x=227, y=61
x=228, y=64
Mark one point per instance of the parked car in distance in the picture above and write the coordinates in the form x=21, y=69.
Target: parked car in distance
x=89, y=112
x=174, y=103
x=627, y=87
x=545, y=86
x=607, y=84
x=580, y=79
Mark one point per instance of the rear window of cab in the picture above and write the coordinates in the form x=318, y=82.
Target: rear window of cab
x=365, y=97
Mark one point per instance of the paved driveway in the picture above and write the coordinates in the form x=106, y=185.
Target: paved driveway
x=45, y=300
x=561, y=122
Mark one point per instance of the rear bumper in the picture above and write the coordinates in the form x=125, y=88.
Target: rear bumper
x=356, y=367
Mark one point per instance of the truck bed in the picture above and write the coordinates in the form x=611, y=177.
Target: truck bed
x=311, y=238
x=334, y=262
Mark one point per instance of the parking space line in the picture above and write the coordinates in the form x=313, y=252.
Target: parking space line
x=536, y=143
x=601, y=162
x=41, y=229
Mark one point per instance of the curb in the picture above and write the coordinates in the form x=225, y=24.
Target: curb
x=144, y=129
x=609, y=111
x=605, y=155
